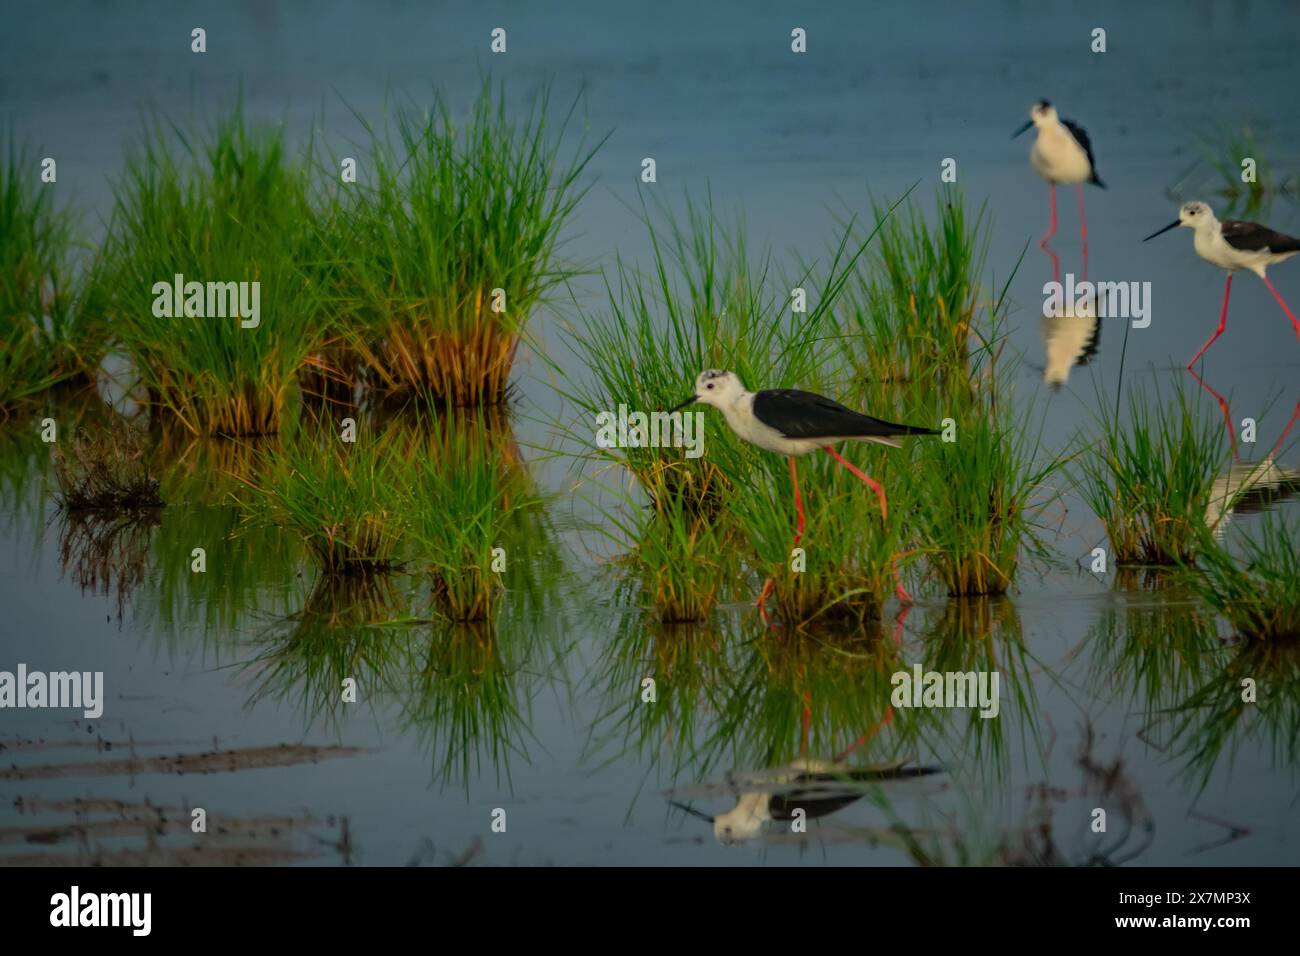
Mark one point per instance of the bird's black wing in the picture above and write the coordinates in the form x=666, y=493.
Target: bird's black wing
x=797, y=414
x=1081, y=137
x=814, y=793
x=1252, y=237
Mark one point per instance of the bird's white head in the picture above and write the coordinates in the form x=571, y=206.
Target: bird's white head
x=738, y=824
x=1198, y=215
x=715, y=387
x=1195, y=215
x=1043, y=113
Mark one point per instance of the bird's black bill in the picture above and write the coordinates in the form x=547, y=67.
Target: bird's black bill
x=691, y=810
x=1023, y=129
x=690, y=401
x=1172, y=225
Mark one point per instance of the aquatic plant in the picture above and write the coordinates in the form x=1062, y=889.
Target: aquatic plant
x=463, y=502
x=982, y=494
x=1149, y=478
x=842, y=568
x=912, y=305
x=106, y=469
x=685, y=561
x=44, y=340
x=1257, y=590
x=447, y=248
x=346, y=499
x=212, y=272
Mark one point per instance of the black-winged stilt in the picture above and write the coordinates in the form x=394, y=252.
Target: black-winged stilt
x=791, y=422
x=817, y=787
x=1062, y=154
x=1234, y=245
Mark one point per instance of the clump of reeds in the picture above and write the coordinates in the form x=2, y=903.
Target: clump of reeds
x=106, y=469
x=1149, y=479
x=1258, y=591
x=981, y=493
x=463, y=501
x=844, y=570
x=910, y=309
x=230, y=206
x=41, y=337
x=449, y=243
x=686, y=558
x=346, y=499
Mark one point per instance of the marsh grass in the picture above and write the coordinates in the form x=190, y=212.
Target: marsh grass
x=683, y=560
x=465, y=504
x=1258, y=590
x=847, y=550
x=345, y=499
x=230, y=205
x=981, y=497
x=447, y=215
x=1149, y=478
x=45, y=341
x=106, y=469
x=911, y=307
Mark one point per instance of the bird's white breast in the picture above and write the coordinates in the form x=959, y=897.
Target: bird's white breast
x=1058, y=158
x=740, y=417
x=1213, y=248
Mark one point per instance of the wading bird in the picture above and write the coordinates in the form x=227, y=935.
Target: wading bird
x=790, y=422
x=1062, y=154
x=817, y=787
x=1234, y=245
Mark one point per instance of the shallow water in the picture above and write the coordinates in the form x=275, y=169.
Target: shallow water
x=554, y=731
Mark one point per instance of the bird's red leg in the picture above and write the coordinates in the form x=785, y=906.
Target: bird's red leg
x=1051, y=229
x=807, y=723
x=1083, y=232
x=880, y=492
x=1277, y=445
x=1223, y=407
x=1223, y=321
x=798, y=535
x=1280, y=301
x=883, y=722
x=884, y=515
